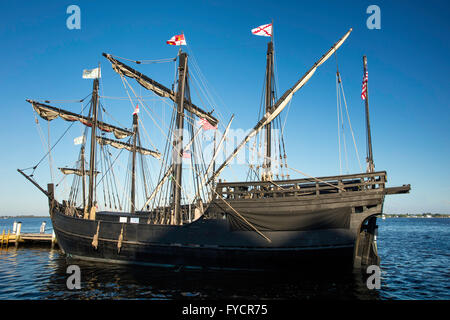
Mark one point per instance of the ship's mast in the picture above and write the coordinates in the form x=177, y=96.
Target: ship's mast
x=178, y=139
x=93, y=144
x=279, y=105
x=369, y=159
x=267, y=172
x=83, y=176
x=133, y=165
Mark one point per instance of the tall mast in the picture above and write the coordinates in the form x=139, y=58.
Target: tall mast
x=369, y=159
x=279, y=105
x=83, y=172
x=133, y=168
x=267, y=174
x=93, y=144
x=178, y=139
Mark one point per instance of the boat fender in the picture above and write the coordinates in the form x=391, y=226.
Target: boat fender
x=95, y=238
x=119, y=242
x=92, y=213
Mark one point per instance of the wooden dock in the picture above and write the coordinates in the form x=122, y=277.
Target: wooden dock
x=27, y=239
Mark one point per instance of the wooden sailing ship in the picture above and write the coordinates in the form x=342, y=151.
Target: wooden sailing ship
x=262, y=224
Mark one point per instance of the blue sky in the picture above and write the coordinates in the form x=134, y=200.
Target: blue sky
x=408, y=70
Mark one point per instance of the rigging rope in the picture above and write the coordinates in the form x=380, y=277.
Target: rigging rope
x=340, y=92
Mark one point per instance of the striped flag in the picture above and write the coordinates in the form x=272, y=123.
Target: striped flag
x=177, y=40
x=186, y=154
x=264, y=30
x=206, y=125
x=364, y=87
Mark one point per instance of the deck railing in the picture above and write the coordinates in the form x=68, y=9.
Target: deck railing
x=302, y=187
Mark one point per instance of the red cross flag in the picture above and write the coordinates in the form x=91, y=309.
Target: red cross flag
x=177, y=40
x=264, y=30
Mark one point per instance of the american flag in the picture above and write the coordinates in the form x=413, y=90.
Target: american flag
x=364, y=87
x=186, y=154
x=206, y=125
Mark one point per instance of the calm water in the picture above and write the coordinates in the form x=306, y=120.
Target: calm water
x=415, y=255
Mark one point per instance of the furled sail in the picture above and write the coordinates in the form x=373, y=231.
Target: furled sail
x=78, y=172
x=157, y=88
x=280, y=104
x=129, y=147
x=49, y=113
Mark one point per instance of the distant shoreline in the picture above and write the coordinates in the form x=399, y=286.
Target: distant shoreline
x=423, y=215
x=22, y=217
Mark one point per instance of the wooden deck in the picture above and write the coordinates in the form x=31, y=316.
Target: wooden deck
x=27, y=239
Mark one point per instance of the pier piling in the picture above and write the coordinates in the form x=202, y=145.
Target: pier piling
x=17, y=237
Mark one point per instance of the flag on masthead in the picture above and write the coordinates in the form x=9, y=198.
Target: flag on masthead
x=92, y=73
x=264, y=30
x=177, y=40
x=136, y=110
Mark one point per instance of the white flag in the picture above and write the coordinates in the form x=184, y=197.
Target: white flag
x=264, y=30
x=91, y=74
x=78, y=140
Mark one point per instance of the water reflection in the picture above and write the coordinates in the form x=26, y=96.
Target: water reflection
x=34, y=273
x=106, y=281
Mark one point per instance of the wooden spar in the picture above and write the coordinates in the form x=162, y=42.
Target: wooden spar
x=92, y=176
x=158, y=88
x=120, y=133
x=133, y=165
x=83, y=175
x=120, y=145
x=267, y=174
x=33, y=182
x=178, y=139
x=369, y=159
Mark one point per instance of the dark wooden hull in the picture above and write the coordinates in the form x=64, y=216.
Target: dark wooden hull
x=206, y=243
x=329, y=228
